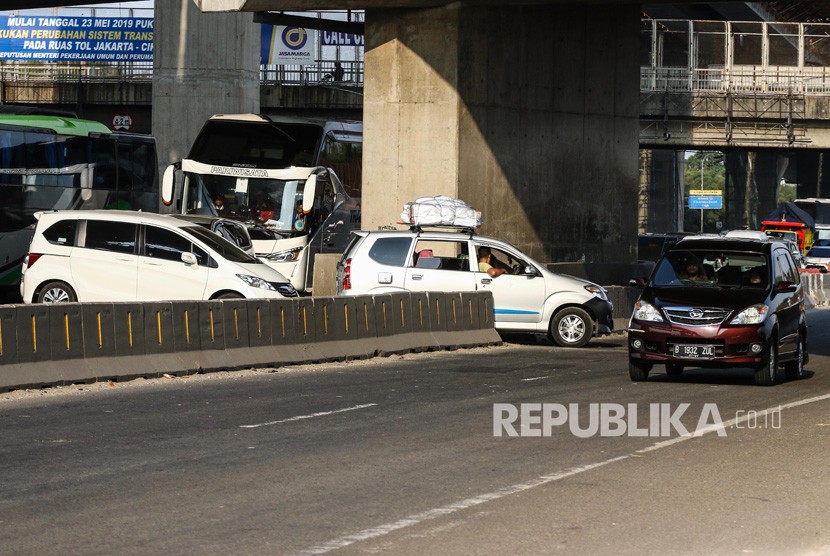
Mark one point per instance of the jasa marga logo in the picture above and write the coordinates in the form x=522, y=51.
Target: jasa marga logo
x=294, y=37
x=296, y=41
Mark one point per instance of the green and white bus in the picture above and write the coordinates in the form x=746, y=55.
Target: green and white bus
x=57, y=162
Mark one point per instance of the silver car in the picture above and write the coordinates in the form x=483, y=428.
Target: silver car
x=818, y=257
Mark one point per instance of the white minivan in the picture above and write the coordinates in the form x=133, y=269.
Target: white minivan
x=527, y=297
x=112, y=255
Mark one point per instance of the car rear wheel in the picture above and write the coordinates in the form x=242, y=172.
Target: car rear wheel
x=56, y=292
x=571, y=327
x=638, y=371
x=674, y=369
x=795, y=369
x=765, y=376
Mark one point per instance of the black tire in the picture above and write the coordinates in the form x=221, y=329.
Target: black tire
x=674, y=369
x=765, y=375
x=638, y=371
x=794, y=370
x=56, y=292
x=230, y=295
x=571, y=327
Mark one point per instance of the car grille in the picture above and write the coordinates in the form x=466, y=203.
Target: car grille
x=286, y=290
x=694, y=316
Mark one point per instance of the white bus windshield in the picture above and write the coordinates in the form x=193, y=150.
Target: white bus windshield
x=269, y=202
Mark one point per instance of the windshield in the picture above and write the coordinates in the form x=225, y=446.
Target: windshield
x=711, y=269
x=819, y=252
x=221, y=246
x=268, y=202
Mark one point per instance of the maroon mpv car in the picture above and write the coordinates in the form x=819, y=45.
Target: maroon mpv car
x=717, y=301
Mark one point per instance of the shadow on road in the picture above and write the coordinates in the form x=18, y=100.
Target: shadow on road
x=613, y=341
x=731, y=377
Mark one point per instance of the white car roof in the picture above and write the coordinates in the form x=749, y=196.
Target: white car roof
x=120, y=215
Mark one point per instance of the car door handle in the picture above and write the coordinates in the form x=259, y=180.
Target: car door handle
x=152, y=263
x=417, y=276
x=486, y=280
x=125, y=259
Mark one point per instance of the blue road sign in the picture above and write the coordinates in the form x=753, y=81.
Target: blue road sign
x=705, y=201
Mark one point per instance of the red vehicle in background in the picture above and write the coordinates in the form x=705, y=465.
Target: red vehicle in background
x=798, y=232
x=788, y=221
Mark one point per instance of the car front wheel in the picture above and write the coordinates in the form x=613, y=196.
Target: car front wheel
x=638, y=371
x=56, y=292
x=571, y=327
x=765, y=375
x=230, y=295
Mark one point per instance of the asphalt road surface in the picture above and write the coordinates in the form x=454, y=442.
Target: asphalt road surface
x=398, y=455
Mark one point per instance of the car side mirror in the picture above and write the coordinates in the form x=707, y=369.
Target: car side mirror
x=189, y=258
x=784, y=286
x=529, y=270
x=637, y=282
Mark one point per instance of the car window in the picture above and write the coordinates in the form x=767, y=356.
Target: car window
x=441, y=255
x=165, y=244
x=62, y=233
x=787, y=272
x=390, y=251
x=503, y=259
x=110, y=236
x=710, y=268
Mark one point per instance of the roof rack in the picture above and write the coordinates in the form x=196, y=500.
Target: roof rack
x=459, y=229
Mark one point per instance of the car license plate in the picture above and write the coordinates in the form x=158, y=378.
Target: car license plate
x=694, y=352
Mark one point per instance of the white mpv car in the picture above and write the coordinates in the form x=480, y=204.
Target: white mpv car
x=113, y=255
x=527, y=297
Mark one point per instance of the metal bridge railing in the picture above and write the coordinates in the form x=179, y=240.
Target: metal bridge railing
x=321, y=72
x=743, y=79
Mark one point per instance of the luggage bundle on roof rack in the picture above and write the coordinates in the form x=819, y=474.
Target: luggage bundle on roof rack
x=440, y=211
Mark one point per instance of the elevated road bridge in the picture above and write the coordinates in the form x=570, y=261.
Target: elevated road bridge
x=480, y=100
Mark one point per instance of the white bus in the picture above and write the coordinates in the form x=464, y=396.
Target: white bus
x=281, y=177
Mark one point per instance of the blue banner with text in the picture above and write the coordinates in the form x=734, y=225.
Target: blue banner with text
x=74, y=38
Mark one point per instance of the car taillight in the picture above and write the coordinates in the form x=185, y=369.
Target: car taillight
x=347, y=274
x=32, y=258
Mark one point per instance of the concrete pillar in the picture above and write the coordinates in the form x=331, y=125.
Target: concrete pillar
x=203, y=64
x=528, y=113
x=753, y=179
x=665, y=191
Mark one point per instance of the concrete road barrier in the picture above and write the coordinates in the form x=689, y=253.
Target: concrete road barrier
x=815, y=288
x=86, y=342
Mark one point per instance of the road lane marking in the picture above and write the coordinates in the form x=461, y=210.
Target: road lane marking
x=310, y=416
x=533, y=378
x=387, y=528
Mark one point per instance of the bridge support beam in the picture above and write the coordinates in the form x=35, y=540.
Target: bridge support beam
x=203, y=64
x=528, y=113
x=753, y=178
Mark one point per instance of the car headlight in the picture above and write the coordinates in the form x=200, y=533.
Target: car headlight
x=285, y=256
x=597, y=291
x=646, y=312
x=751, y=315
x=255, y=282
